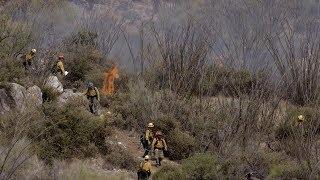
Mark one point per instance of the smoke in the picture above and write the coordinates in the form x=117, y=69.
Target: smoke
x=230, y=26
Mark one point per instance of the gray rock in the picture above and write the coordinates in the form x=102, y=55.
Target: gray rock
x=5, y=101
x=15, y=96
x=35, y=95
x=3, y=176
x=54, y=83
x=19, y=95
x=69, y=94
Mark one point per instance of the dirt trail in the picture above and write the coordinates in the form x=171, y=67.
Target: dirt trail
x=130, y=140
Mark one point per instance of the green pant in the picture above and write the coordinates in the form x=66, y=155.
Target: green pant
x=158, y=153
x=93, y=104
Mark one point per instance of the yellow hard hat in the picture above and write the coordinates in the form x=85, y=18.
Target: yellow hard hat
x=147, y=157
x=33, y=50
x=150, y=125
x=301, y=118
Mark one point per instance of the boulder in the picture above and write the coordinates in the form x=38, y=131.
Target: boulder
x=19, y=96
x=35, y=95
x=4, y=101
x=15, y=96
x=69, y=94
x=12, y=96
x=54, y=83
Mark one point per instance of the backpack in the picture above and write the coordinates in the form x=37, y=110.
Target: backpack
x=92, y=92
x=157, y=143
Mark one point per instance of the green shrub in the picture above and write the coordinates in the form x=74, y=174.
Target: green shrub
x=180, y=145
x=135, y=106
x=199, y=166
x=216, y=80
x=286, y=170
x=166, y=124
x=121, y=158
x=95, y=76
x=291, y=128
x=83, y=59
x=70, y=131
x=121, y=123
x=168, y=172
x=11, y=70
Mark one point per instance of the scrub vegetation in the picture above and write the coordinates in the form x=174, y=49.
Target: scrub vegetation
x=224, y=80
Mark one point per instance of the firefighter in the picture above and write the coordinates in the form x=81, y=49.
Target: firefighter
x=147, y=139
x=28, y=58
x=144, y=171
x=60, y=66
x=94, y=97
x=158, y=146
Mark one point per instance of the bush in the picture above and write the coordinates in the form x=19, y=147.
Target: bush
x=168, y=172
x=199, y=166
x=166, y=124
x=286, y=170
x=96, y=76
x=216, y=80
x=49, y=94
x=121, y=123
x=238, y=164
x=298, y=139
x=121, y=158
x=11, y=70
x=136, y=107
x=81, y=170
x=70, y=131
x=284, y=131
x=180, y=145
x=123, y=81
x=83, y=59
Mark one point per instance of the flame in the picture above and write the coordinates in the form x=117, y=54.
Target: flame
x=108, y=84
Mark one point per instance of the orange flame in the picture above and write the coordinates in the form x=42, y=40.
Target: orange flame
x=108, y=84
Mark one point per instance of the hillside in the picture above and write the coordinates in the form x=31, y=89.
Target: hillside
x=232, y=86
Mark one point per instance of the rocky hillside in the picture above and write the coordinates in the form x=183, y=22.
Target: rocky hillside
x=232, y=85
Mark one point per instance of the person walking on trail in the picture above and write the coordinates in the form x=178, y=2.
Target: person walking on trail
x=144, y=171
x=158, y=146
x=147, y=139
x=28, y=58
x=93, y=97
x=60, y=66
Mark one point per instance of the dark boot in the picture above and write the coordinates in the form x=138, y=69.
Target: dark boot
x=91, y=105
x=146, y=152
x=91, y=108
x=158, y=162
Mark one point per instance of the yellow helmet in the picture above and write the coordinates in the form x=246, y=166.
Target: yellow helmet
x=147, y=157
x=33, y=50
x=301, y=118
x=150, y=125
